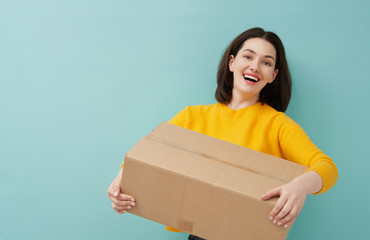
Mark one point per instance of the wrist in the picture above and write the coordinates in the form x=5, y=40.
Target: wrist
x=310, y=182
x=303, y=185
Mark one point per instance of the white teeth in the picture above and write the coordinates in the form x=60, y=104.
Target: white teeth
x=249, y=76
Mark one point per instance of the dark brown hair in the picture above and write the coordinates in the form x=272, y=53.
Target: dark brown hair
x=276, y=94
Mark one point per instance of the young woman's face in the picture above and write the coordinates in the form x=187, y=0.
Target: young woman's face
x=253, y=67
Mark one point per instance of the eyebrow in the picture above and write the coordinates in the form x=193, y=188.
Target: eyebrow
x=250, y=50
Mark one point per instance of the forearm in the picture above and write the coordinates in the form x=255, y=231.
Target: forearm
x=297, y=147
x=311, y=181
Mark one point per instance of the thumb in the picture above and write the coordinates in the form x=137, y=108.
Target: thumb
x=116, y=186
x=272, y=193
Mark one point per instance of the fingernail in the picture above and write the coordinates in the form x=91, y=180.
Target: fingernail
x=279, y=223
x=115, y=194
x=132, y=199
x=132, y=204
x=129, y=207
x=275, y=221
x=286, y=225
x=270, y=218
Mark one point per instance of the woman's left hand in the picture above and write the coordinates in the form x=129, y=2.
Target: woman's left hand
x=292, y=197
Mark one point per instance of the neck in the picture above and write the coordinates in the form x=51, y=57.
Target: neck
x=238, y=101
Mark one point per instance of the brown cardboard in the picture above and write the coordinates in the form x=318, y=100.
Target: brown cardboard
x=205, y=186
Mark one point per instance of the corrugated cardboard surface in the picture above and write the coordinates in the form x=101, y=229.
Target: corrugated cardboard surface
x=205, y=186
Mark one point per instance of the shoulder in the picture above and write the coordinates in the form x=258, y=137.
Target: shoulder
x=202, y=109
x=193, y=113
x=272, y=115
x=265, y=111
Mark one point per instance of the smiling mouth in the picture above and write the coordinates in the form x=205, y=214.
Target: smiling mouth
x=250, y=78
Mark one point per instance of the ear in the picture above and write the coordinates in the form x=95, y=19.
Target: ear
x=231, y=61
x=274, y=75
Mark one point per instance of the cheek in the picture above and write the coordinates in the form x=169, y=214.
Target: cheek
x=237, y=65
x=268, y=73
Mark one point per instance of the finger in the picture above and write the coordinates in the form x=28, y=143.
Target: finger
x=112, y=191
x=125, y=197
x=289, y=223
x=120, y=208
x=116, y=187
x=288, y=206
x=111, y=194
x=272, y=193
x=117, y=208
x=278, y=206
x=122, y=203
x=292, y=215
x=120, y=196
x=121, y=212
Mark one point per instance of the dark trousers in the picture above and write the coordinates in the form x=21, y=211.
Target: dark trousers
x=192, y=237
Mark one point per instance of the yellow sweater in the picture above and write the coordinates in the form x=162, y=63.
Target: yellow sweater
x=262, y=128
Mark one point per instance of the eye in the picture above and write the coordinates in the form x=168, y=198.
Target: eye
x=267, y=63
x=248, y=57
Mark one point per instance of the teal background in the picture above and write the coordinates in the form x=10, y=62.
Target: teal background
x=82, y=81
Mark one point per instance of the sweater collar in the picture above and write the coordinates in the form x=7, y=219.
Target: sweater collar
x=240, y=112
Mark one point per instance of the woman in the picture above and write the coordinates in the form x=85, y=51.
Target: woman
x=253, y=91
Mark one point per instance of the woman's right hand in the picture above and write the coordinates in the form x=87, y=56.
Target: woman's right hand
x=120, y=202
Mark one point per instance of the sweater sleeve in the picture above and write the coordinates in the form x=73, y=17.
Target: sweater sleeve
x=297, y=147
x=180, y=118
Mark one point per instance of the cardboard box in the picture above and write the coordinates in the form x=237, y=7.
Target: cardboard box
x=205, y=186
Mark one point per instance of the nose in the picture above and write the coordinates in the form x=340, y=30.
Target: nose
x=254, y=66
